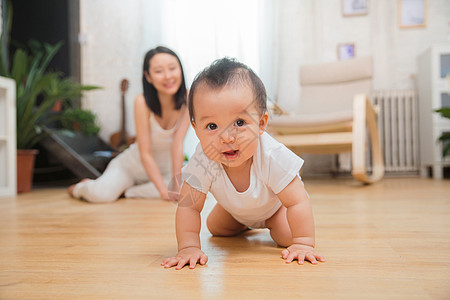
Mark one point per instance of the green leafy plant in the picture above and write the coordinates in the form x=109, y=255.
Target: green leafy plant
x=37, y=88
x=80, y=120
x=34, y=83
x=445, y=137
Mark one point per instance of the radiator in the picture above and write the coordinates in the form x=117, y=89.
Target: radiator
x=398, y=124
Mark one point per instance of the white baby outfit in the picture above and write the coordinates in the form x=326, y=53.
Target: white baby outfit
x=125, y=173
x=274, y=166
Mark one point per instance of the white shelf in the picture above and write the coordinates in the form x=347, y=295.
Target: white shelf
x=432, y=125
x=7, y=137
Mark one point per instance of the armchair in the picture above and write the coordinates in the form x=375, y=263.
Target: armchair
x=335, y=116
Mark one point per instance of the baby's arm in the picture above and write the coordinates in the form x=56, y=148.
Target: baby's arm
x=301, y=222
x=188, y=223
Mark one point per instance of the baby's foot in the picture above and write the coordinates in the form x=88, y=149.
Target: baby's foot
x=72, y=187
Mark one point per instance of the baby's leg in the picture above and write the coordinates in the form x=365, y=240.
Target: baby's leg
x=221, y=223
x=279, y=228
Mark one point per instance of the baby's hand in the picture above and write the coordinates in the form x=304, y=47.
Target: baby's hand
x=301, y=253
x=191, y=256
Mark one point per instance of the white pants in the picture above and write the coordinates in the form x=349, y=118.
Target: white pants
x=120, y=177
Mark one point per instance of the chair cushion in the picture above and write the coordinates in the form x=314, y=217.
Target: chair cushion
x=336, y=72
x=303, y=123
x=328, y=98
x=299, y=120
x=330, y=87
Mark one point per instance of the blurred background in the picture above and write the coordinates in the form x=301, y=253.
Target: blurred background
x=105, y=40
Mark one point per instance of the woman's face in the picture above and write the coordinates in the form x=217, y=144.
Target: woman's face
x=164, y=73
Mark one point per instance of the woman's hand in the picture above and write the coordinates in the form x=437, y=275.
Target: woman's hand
x=174, y=188
x=164, y=193
x=169, y=195
x=187, y=256
x=301, y=253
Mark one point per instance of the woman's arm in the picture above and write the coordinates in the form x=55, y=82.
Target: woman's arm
x=142, y=122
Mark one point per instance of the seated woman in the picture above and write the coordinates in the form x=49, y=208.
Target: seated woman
x=145, y=169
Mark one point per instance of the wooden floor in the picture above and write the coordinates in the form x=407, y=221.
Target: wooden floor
x=390, y=240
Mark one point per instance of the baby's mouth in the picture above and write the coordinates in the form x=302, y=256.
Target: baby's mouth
x=231, y=154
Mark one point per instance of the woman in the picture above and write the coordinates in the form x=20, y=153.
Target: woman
x=162, y=120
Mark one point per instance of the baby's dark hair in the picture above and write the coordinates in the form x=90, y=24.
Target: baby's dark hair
x=229, y=72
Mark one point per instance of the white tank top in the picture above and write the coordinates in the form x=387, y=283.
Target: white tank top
x=161, y=140
x=161, y=144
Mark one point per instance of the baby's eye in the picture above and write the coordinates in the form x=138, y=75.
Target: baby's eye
x=239, y=123
x=211, y=126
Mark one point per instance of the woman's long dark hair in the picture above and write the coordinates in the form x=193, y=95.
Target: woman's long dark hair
x=150, y=93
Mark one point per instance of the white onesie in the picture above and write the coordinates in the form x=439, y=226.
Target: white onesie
x=274, y=167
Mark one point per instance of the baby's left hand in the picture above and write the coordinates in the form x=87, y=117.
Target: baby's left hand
x=301, y=253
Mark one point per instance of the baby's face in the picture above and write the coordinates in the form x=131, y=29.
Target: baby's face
x=228, y=124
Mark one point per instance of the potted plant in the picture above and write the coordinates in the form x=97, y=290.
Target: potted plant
x=37, y=91
x=31, y=81
x=445, y=136
x=83, y=120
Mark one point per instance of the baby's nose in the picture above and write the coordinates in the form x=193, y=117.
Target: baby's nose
x=228, y=136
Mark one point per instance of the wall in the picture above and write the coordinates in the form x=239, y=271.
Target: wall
x=114, y=38
x=310, y=30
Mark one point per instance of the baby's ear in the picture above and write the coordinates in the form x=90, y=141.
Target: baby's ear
x=263, y=123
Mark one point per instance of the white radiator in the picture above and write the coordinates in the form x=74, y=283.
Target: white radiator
x=398, y=124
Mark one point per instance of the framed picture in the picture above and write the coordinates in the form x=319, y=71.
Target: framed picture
x=346, y=51
x=412, y=13
x=352, y=8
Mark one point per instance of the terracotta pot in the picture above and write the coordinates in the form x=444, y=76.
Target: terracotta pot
x=25, y=167
x=57, y=107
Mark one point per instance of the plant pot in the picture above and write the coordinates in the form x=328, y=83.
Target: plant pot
x=57, y=107
x=25, y=167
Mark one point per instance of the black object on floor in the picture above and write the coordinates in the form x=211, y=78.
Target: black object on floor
x=85, y=156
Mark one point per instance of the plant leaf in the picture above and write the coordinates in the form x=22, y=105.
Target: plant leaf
x=446, y=150
x=445, y=112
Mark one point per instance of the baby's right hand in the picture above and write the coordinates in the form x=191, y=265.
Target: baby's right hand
x=190, y=255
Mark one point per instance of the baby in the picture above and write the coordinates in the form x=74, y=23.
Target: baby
x=254, y=178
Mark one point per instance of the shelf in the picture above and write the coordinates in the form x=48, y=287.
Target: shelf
x=7, y=137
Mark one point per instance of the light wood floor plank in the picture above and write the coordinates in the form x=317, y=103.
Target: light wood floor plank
x=390, y=240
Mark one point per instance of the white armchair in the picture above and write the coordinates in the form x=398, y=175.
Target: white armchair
x=335, y=116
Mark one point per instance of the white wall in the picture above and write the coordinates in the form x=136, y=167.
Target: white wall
x=118, y=34
x=310, y=30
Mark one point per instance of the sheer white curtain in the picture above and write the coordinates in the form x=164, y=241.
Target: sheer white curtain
x=201, y=31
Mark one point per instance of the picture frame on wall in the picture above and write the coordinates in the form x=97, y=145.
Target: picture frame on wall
x=346, y=51
x=352, y=8
x=412, y=13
